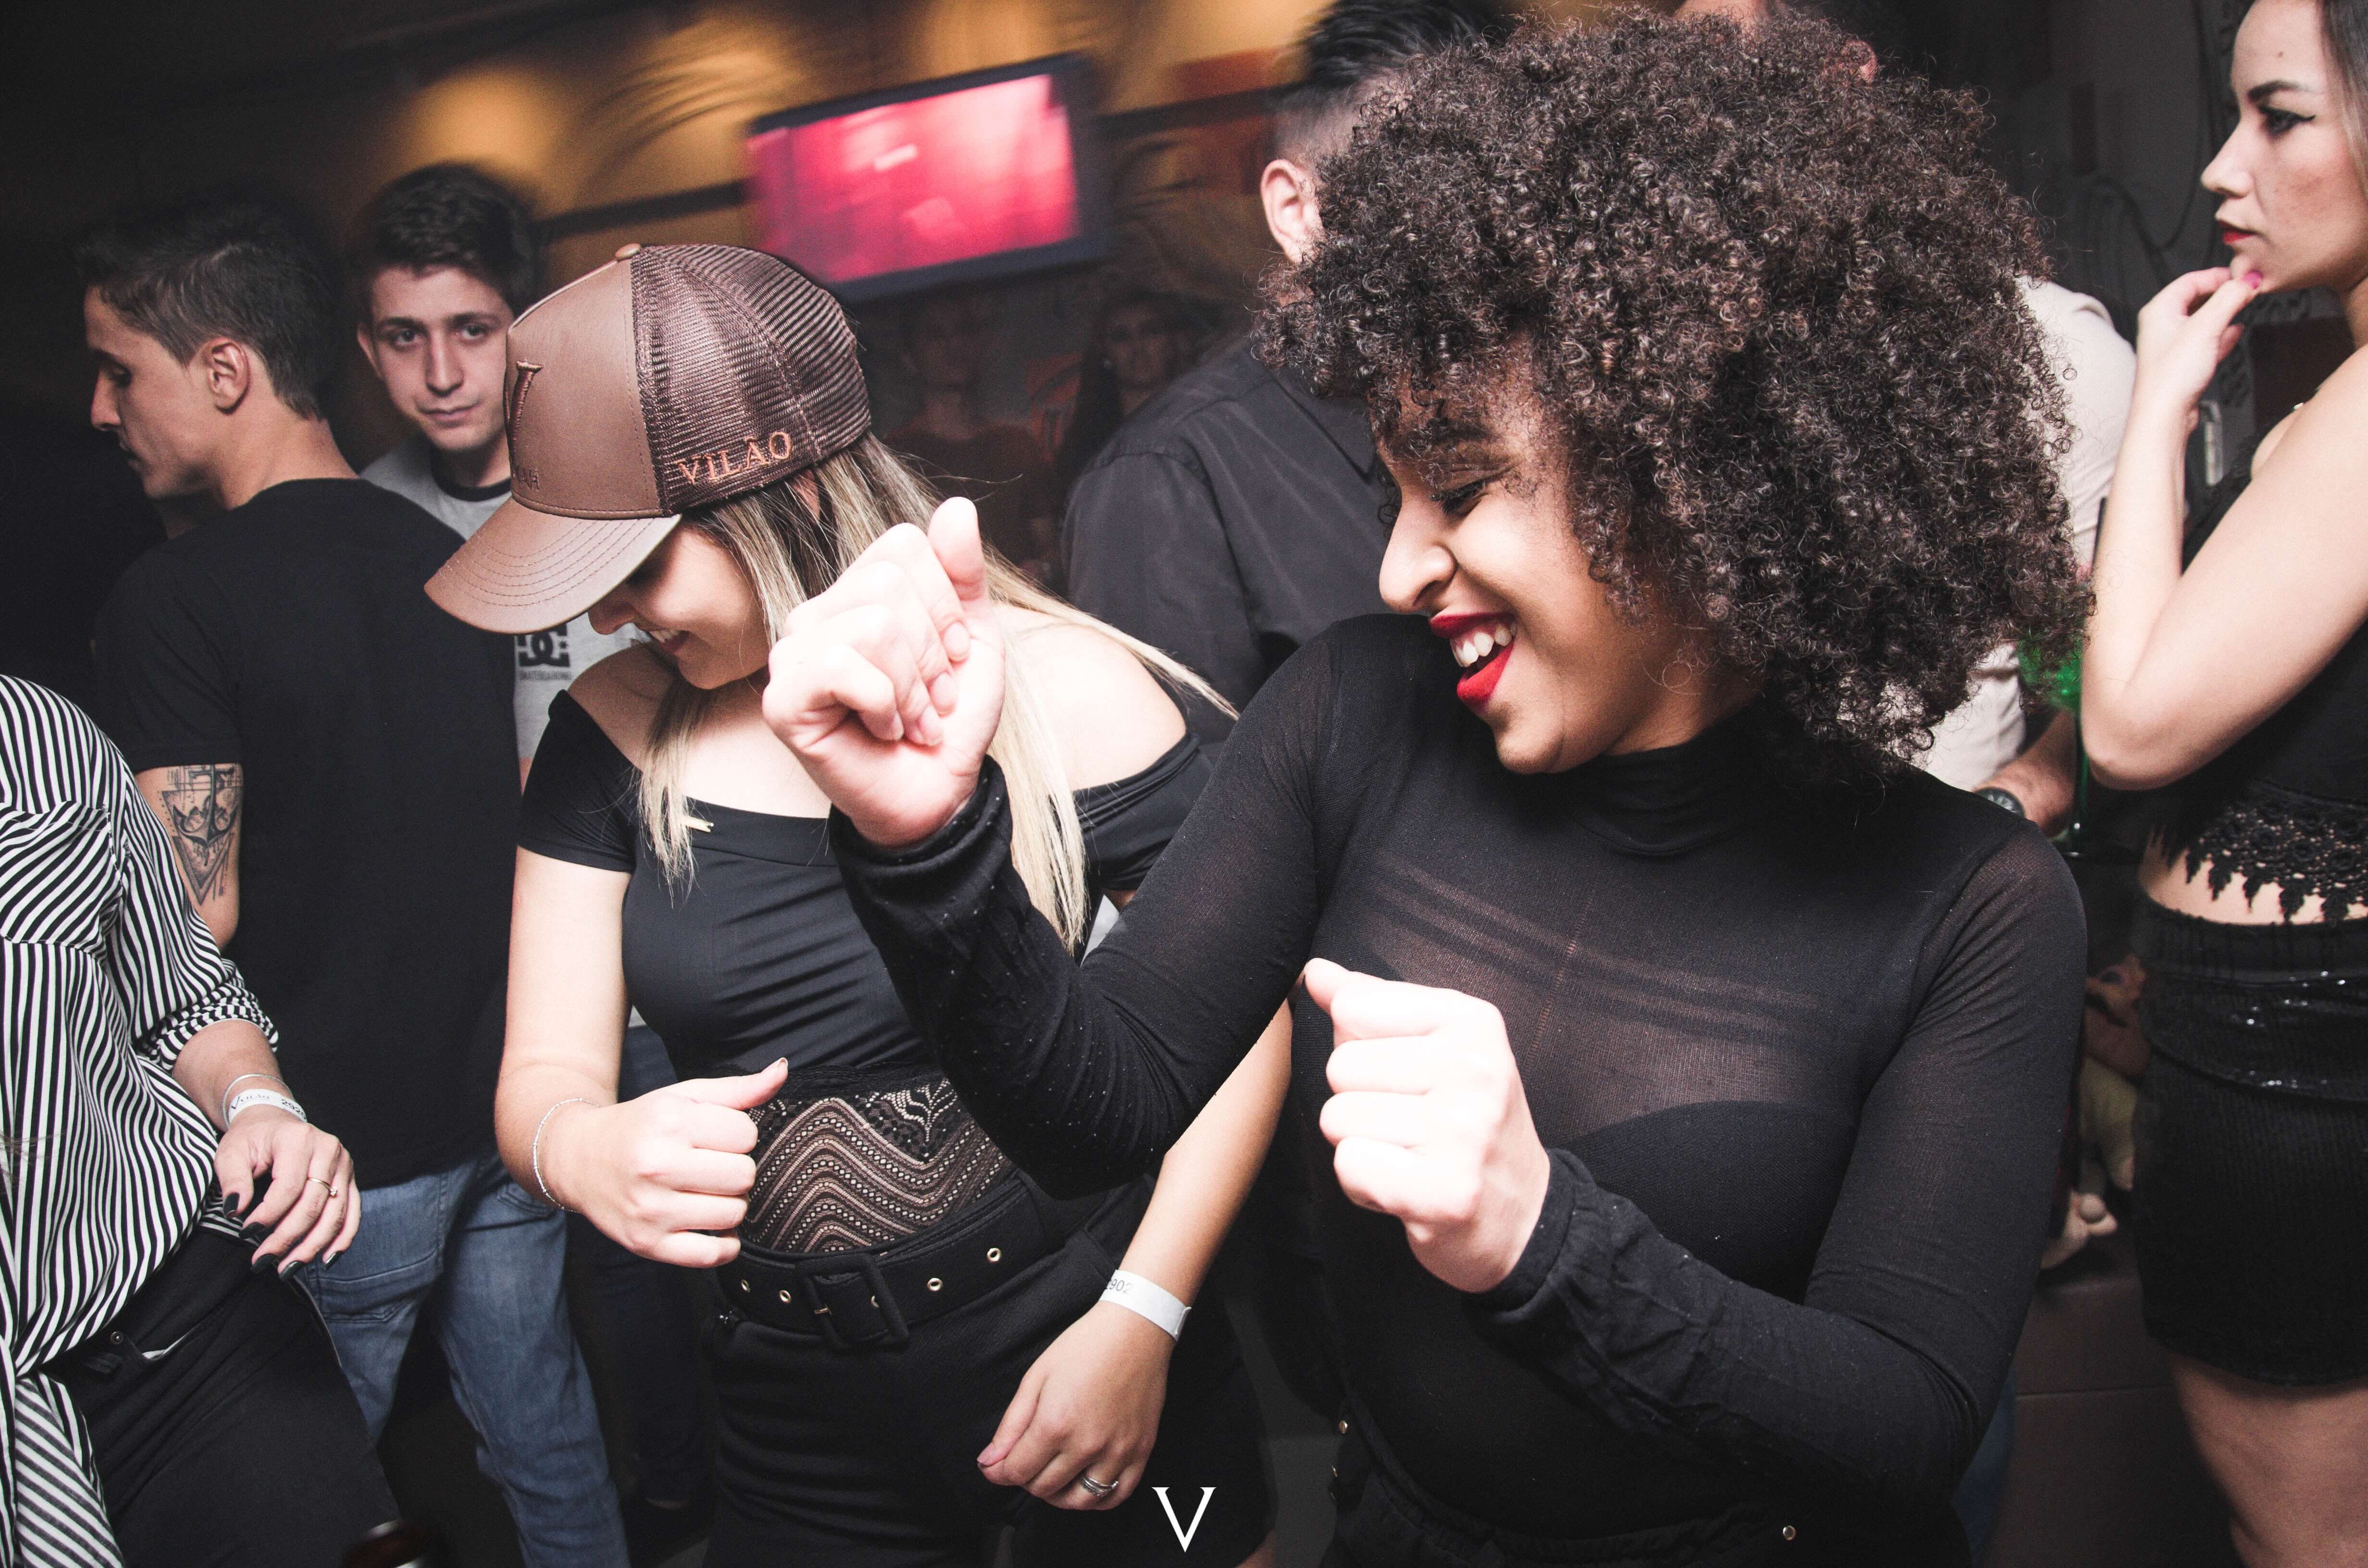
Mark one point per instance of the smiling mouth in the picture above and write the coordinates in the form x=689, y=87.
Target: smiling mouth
x=1481, y=645
x=667, y=642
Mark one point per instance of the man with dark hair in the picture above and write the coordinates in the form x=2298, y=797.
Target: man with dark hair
x=332, y=759
x=443, y=260
x=1238, y=515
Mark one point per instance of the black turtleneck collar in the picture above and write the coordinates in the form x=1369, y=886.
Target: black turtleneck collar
x=1673, y=799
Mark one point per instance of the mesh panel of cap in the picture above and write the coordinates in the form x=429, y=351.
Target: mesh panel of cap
x=748, y=371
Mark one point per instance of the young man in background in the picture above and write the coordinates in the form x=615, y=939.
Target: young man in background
x=334, y=763
x=444, y=259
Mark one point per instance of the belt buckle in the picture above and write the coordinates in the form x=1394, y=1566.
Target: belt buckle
x=810, y=1271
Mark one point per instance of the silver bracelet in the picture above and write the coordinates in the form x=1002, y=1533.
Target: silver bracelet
x=534, y=1150
x=253, y=1097
x=242, y=1077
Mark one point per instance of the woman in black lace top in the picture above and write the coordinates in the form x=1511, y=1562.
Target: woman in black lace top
x=2232, y=674
x=1679, y=1074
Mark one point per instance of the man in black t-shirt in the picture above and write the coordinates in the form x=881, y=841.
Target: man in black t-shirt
x=1238, y=514
x=331, y=757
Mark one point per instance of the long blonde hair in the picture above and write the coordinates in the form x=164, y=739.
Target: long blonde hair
x=791, y=539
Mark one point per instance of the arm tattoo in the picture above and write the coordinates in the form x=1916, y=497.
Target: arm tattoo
x=201, y=807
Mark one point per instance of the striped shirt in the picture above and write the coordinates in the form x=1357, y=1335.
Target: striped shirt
x=105, y=973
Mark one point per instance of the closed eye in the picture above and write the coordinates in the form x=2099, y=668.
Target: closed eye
x=1455, y=503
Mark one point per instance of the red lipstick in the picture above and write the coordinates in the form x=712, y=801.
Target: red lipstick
x=2232, y=238
x=1478, y=682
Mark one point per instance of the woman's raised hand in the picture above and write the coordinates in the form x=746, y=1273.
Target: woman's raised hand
x=890, y=683
x=2183, y=334
x=660, y=1172
x=1429, y=1121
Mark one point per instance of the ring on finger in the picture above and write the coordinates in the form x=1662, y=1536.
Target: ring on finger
x=1099, y=1488
x=328, y=1185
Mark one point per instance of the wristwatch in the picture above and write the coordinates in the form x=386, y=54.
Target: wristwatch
x=2004, y=799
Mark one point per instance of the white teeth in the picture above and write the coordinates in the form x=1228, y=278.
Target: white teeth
x=1481, y=642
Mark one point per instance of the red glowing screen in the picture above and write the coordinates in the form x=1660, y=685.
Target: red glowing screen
x=904, y=193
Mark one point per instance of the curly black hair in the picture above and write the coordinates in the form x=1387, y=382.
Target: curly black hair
x=1772, y=313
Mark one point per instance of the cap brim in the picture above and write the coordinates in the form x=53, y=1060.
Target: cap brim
x=529, y=571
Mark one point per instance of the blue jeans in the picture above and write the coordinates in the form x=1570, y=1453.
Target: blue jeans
x=492, y=1256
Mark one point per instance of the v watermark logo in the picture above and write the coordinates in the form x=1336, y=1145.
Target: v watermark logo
x=1184, y=1534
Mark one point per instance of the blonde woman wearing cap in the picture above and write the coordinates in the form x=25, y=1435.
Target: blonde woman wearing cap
x=910, y=1351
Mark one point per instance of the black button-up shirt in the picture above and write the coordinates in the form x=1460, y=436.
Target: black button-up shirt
x=1236, y=516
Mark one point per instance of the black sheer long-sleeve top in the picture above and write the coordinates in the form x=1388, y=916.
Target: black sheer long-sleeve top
x=1800, y=1065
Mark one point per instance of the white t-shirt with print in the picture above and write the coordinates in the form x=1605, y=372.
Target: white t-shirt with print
x=547, y=660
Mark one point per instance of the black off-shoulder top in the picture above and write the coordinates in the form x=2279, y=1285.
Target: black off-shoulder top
x=760, y=957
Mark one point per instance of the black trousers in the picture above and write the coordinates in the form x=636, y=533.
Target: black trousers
x=868, y=1458
x=223, y=1432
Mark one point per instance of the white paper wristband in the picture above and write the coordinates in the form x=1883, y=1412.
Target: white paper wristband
x=1139, y=1296
x=247, y=1097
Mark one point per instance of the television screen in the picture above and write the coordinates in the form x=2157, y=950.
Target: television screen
x=970, y=176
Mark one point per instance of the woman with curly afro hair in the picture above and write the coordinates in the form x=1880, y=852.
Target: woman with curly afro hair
x=1679, y=1073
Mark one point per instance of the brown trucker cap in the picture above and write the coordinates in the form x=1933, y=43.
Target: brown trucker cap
x=672, y=377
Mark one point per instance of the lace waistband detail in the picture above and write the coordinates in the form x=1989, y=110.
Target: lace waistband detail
x=864, y=1167
x=2265, y=834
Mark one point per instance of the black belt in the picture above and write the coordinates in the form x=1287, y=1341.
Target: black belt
x=878, y=1295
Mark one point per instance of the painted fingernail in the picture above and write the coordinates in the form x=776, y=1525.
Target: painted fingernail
x=2253, y=278
x=262, y=1262
x=331, y=1260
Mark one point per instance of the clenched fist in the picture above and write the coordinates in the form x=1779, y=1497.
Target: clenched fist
x=890, y=683
x=1429, y=1122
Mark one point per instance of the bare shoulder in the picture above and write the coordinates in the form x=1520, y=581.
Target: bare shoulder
x=1112, y=717
x=622, y=693
x=2328, y=417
